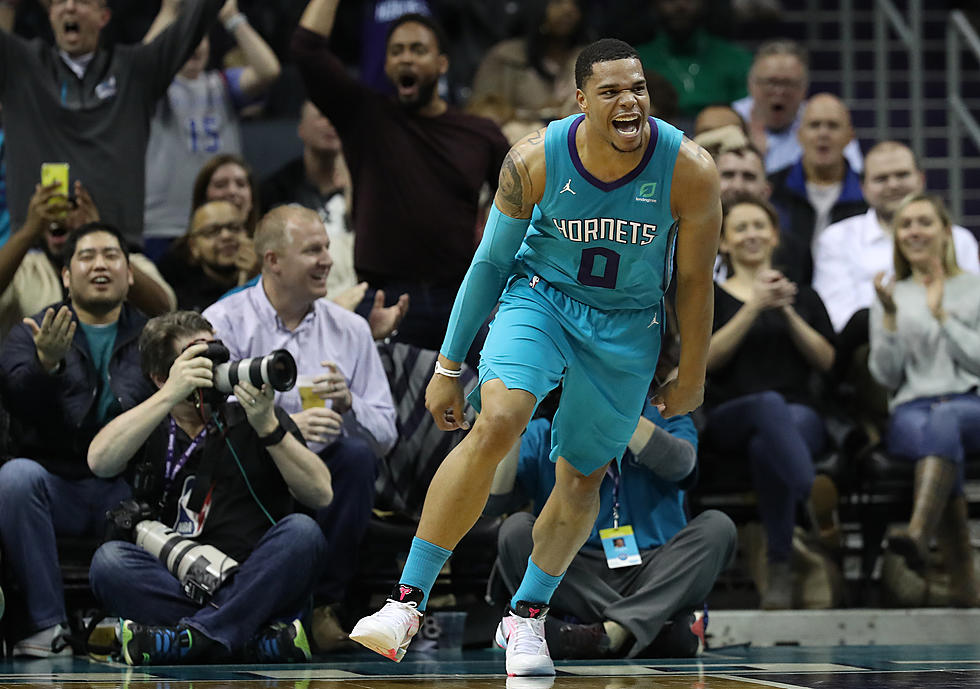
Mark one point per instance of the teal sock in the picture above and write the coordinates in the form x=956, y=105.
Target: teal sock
x=536, y=586
x=425, y=561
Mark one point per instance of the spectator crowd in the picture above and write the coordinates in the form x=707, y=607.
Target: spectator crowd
x=190, y=230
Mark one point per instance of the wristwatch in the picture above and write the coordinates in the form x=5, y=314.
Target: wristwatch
x=273, y=438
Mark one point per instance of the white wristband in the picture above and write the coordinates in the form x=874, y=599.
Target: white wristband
x=234, y=21
x=448, y=372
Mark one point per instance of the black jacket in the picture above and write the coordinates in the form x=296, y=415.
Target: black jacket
x=53, y=415
x=797, y=217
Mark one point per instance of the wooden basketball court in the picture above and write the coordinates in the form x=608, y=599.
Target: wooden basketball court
x=841, y=667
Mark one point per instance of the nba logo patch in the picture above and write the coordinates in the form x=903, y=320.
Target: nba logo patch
x=534, y=281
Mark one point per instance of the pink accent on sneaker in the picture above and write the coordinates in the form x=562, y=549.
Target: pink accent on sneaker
x=533, y=612
x=404, y=591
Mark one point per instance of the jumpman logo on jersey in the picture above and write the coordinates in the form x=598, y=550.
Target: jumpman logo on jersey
x=654, y=321
x=567, y=187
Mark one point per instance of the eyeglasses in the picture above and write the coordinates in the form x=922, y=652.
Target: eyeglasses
x=212, y=231
x=85, y=3
x=773, y=83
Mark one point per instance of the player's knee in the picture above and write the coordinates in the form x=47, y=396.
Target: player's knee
x=577, y=486
x=497, y=430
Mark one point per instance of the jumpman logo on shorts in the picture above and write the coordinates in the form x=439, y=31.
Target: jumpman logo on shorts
x=654, y=321
x=567, y=187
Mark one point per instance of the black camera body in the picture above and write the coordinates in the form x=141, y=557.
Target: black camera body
x=122, y=520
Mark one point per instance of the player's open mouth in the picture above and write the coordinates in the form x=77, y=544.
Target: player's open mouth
x=627, y=124
x=101, y=280
x=72, y=29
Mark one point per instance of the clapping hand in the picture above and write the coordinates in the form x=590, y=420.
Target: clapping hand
x=885, y=289
x=772, y=290
x=384, y=320
x=53, y=337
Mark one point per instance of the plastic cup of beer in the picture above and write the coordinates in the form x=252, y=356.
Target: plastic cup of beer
x=306, y=395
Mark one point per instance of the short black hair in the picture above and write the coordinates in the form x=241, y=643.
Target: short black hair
x=425, y=20
x=68, y=248
x=159, y=336
x=603, y=50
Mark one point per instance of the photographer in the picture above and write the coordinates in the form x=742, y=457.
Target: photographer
x=222, y=474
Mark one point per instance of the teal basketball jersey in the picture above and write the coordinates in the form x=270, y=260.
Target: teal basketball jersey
x=606, y=244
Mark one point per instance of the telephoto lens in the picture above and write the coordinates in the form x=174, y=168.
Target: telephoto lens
x=277, y=368
x=200, y=568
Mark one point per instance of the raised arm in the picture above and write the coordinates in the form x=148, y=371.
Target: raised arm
x=46, y=206
x=261, y=64
x=169, y=9
x=157, y=62
x=696, y=204
x=521, y=184
x=319, y=16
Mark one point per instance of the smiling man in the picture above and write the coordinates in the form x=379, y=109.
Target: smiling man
x=580, y=280
x=66, y=372
x=90, y=105
x=418, y=166
x=353, y=423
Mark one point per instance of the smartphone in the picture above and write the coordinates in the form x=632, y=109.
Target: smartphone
x=55, y=173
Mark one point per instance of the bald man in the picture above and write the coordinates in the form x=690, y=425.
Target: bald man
x=352, y=423
x=820, y=187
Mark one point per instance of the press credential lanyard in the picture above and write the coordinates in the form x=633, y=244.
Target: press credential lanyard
x=171, y=470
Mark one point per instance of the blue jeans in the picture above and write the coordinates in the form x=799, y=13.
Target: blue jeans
x=274, y=583
x=947, y=427
x=353, y=470
x=780, y=440
x=35, y=507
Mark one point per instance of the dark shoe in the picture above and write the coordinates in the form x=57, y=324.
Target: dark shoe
x=582, y=641
x=281, y=642
x=682, y=636
x=146, y=645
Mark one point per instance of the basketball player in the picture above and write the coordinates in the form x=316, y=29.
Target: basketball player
x=580, y=243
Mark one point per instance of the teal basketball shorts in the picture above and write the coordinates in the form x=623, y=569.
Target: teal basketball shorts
x=605, y=361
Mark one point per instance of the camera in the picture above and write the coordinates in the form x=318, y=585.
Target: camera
x=277, y=369
x=200, y=568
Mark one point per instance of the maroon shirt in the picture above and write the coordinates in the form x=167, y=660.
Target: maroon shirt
x=416, y=179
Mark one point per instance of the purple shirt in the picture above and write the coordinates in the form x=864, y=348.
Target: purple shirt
x=249, y=326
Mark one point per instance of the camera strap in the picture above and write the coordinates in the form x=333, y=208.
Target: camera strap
x=171, y=469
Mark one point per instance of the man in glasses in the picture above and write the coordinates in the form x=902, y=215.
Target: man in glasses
x=778, y=82
x=205, y=263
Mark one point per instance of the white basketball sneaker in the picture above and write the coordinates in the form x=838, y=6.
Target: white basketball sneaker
x=521, y=632
x=390, y=630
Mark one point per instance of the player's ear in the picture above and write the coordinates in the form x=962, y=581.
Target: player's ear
x=583, y=104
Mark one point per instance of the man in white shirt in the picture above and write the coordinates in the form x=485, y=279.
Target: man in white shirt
x=848, y=254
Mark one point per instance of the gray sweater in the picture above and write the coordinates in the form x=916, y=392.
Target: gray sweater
x=923, y=358
x=99, y=124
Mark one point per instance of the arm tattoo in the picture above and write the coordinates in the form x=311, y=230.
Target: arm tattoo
x=511, y=188
x=536, y=138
